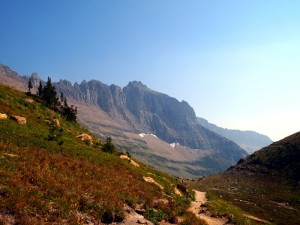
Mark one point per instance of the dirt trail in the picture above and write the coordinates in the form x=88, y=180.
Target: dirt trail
x=197, y=209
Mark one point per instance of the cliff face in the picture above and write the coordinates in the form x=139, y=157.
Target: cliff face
x=150, y=111
x=115, y=111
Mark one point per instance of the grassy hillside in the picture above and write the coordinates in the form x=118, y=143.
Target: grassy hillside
x=265, y=184
x=48, y=176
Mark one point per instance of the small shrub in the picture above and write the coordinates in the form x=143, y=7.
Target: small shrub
x=128, y=154
x=109, y=146
x=55, y=134
x=155, y=216
x=111, y=215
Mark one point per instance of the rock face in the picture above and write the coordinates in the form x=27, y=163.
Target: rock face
x=145, y=110
x=12, y=78
x=6, y=71
x=248, y=140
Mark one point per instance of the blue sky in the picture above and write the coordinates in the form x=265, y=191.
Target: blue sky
x=235, y=62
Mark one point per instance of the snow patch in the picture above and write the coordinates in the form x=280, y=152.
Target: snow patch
x=154, y=135
x=173, y=145
x=143, y=135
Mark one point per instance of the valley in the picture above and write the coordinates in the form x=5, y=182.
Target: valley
x=123, y=113
x=68, y=180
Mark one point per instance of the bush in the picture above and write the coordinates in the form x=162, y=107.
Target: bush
x=55, y=134
x=109, y=146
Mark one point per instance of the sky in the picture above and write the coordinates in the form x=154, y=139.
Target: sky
x=236, y=62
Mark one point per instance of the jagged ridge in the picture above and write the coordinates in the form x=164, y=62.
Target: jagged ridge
x=138, y=109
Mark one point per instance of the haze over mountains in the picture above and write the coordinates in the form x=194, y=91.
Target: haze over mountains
x=248, y=140
x=180, y=146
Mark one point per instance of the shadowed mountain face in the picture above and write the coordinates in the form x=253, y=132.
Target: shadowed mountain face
x=248, y=140
x=149, y=111
x=265, y=184
x=283, y=157
x=120, y=112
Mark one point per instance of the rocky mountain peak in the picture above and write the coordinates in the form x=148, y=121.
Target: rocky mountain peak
x=35, y=79
x=6, y=71
x=137, y=84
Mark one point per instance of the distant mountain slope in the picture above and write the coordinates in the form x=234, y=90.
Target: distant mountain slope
x=119, y=112
x=266, y=183
x=248, y=140
x=282, y=157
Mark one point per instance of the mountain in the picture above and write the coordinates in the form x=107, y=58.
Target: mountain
x=51, y=175
x=124, y=113
x=248, y=140
x=266, y=183
x=281, y=158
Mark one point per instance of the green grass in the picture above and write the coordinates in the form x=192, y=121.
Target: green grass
x=222, y=208
x=264, y=184
x=45, y=181
x=259, y=195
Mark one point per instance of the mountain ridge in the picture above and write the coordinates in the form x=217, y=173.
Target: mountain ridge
x=248, y=140
x=115, y=111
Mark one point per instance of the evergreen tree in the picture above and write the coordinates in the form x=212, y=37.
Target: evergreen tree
x=70, y=113
x=109, y=146
x=29, y=86
x=40, y=90
x=61, y=98
x=49, y=94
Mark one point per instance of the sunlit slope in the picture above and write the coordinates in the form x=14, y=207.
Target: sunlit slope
x=49, y=176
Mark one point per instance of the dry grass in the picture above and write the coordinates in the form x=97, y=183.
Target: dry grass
x=264, y=196
x=46, y=182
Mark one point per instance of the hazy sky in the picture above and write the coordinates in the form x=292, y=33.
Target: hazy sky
x=237, y=63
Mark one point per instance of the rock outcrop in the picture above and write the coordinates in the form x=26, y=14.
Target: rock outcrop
x=132, y=162
x=19, y=119
x=86, y=137
x=3, y=116
x=145, y=110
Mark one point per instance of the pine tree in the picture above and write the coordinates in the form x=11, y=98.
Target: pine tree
x=40, y=90
x=109, y=146
x=49, y=94
x=29, y=86
x=61, y=98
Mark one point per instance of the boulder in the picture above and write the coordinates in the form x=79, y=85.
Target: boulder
x=131, y=161
x=30, y=100
x=86, y=137
x=56, y=121
x=151, y=180
x=19, y=119
x=3, y=116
